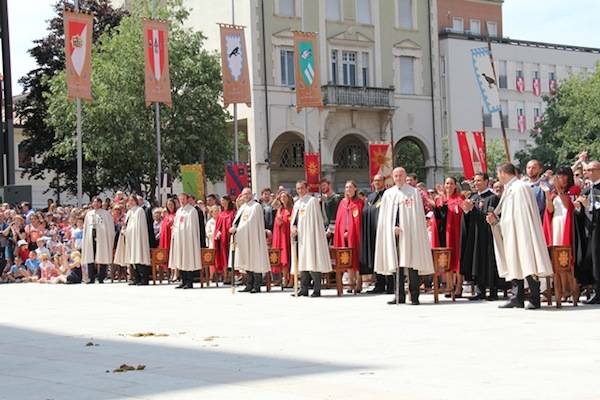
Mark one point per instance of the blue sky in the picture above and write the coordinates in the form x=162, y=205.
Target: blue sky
x=573, y=22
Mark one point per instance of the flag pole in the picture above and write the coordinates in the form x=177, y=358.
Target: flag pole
x=236, y=148
x=158, y=133
x=79, y=145
x=306, y=143
x=500, y=114
x=484, y=134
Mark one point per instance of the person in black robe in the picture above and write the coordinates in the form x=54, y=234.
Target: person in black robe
x=368, y=237
x=329, y=205
x=587, y=212
x=478, y=260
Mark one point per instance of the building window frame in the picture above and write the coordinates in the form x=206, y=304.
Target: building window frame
x=368, y=21
x=475, y=31
x=350, y=67
x=340, y=11
x=287, y=76
x=458, y=20
x=413, y=16
x=412, y=90
x=488, y=26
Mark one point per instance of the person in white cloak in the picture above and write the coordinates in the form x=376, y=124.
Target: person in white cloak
x=402, y=240
x=98, y=241
x=133, y=248
x=184, y=254
x=251, y=254
x=312, y=249
x=521, y=251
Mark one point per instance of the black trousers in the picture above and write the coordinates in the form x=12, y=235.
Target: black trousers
x=141, y=273
x=305, y=279
x=96, y=271
x=518, y=290
x=384, y=282
x=413, y=284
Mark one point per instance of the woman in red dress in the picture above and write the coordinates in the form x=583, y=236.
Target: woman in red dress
x=281, y=235
x=448, y=213
x=348, y=229
x=164, y=238
x=221, y=236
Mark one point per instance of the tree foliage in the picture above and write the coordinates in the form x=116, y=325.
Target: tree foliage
x=119, y=139
x=49, y=55
x=571, y=123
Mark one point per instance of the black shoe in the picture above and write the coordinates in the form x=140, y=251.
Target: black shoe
x=492, y=298
x=255, y=291
x=100, y=282
x=377, y=290
x=300, y=294
x=415, y=302
x=315, y=294
x=350, y=291
x=532, y=306
x=188, y=286
x=89, y=282
x=392, y=302
x=512, y=304
x=145, y=283
x=247, y=289
x=389, y=291
x=133, y=283
x=594, y=300
x=478, y=296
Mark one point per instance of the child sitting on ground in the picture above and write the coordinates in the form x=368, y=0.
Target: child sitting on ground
x=33, y=265
x=18, y=272
x=50, y=273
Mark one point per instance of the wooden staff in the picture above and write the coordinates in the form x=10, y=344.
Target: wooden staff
x=295, y=260
x=232, y=245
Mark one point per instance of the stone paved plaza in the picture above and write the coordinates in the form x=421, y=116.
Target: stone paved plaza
x=216, y=345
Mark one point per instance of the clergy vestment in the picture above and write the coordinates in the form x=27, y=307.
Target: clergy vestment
x=589, y=218
x=448, y=213
x=137, y=250
x=312, y=248
x=251, y=252
x=97, y=243
x=185, y=241
x=221, y=244
x=519, y=242
x=281, y=238
x=369, y=232
x=348, y=228
x=478, y=260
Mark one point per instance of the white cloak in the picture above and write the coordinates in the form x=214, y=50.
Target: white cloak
x=185, y=240
x=102, y=221
x=313, y=250
x=137, y=248
x=412, y=248
x=251, y=252
x=210, y=232
x=519, y=241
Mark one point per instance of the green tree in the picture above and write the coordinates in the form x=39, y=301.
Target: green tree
x=571, y=123
x=50, y=58
x=495, y=154
x=119, y=139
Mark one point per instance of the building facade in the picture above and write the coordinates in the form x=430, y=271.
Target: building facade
x=475, y=17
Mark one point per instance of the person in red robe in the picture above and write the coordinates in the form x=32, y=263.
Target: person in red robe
x=348, y=229
x=448, y=213
x=221, y=236
x=164, y=238
x=281, y=236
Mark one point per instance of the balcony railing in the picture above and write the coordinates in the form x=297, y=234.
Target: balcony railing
x=357, y=96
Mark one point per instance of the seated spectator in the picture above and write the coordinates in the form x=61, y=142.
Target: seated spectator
x=74, y=274
x=33, y=264
x=50, y=273
x=41, y=246
x=22, y=250
x=18, y=272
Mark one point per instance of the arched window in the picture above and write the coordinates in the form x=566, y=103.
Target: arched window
x=351, y=155
x=292, y=156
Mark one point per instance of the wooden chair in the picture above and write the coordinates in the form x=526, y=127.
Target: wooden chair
x=441, y=265
x=207, y=257
x=564, y=275
x=274, y=261
x=159, y=257
x=341, y=259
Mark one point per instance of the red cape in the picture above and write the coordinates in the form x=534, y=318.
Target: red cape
x=281, y=238
x=349, y=219
x=221, y=246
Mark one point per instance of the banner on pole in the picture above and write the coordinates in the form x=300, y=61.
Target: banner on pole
x=552, y=86
x=537, y=87
x=78, y=54
x=520, y=84
x=521, y=124
x=236, y=178
x=380, y=162
x=306, y=63
x=312, y=168
x=472, y=153
x=192, y=178
x=486, y=80
x=234, y=66
x=156, y=57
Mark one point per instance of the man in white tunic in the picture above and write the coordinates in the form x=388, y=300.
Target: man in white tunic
x=251, y=254
x=136, y=245
x=98, y=240
x=185, y=243
x=402, y=240
x=312, y=249
x=519, y=243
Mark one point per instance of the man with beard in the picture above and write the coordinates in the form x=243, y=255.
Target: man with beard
x=478, y=259
x=384, y=284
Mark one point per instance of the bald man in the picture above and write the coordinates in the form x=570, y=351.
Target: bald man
x=587, y=211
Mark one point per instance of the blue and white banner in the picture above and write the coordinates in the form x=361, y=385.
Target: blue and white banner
x=486, y=80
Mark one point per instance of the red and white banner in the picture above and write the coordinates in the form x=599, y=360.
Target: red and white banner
x=472, y=153
x=237, y=177
x=234, y=66
x=380, y=162
x=522, y=126
x=537, y=87
x=552, y=86
x=78, y=55
x=312, y=168
x=156, y=56
x=520, y=84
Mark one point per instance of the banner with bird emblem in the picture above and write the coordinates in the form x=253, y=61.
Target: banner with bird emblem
x=78, y=54
x=312, y=167
x=486, y=79
x=380, y=162
x=156, y=56
x=234, y=65
x=306, y=64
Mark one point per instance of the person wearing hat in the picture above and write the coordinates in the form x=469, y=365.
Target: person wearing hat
x=41, y=246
